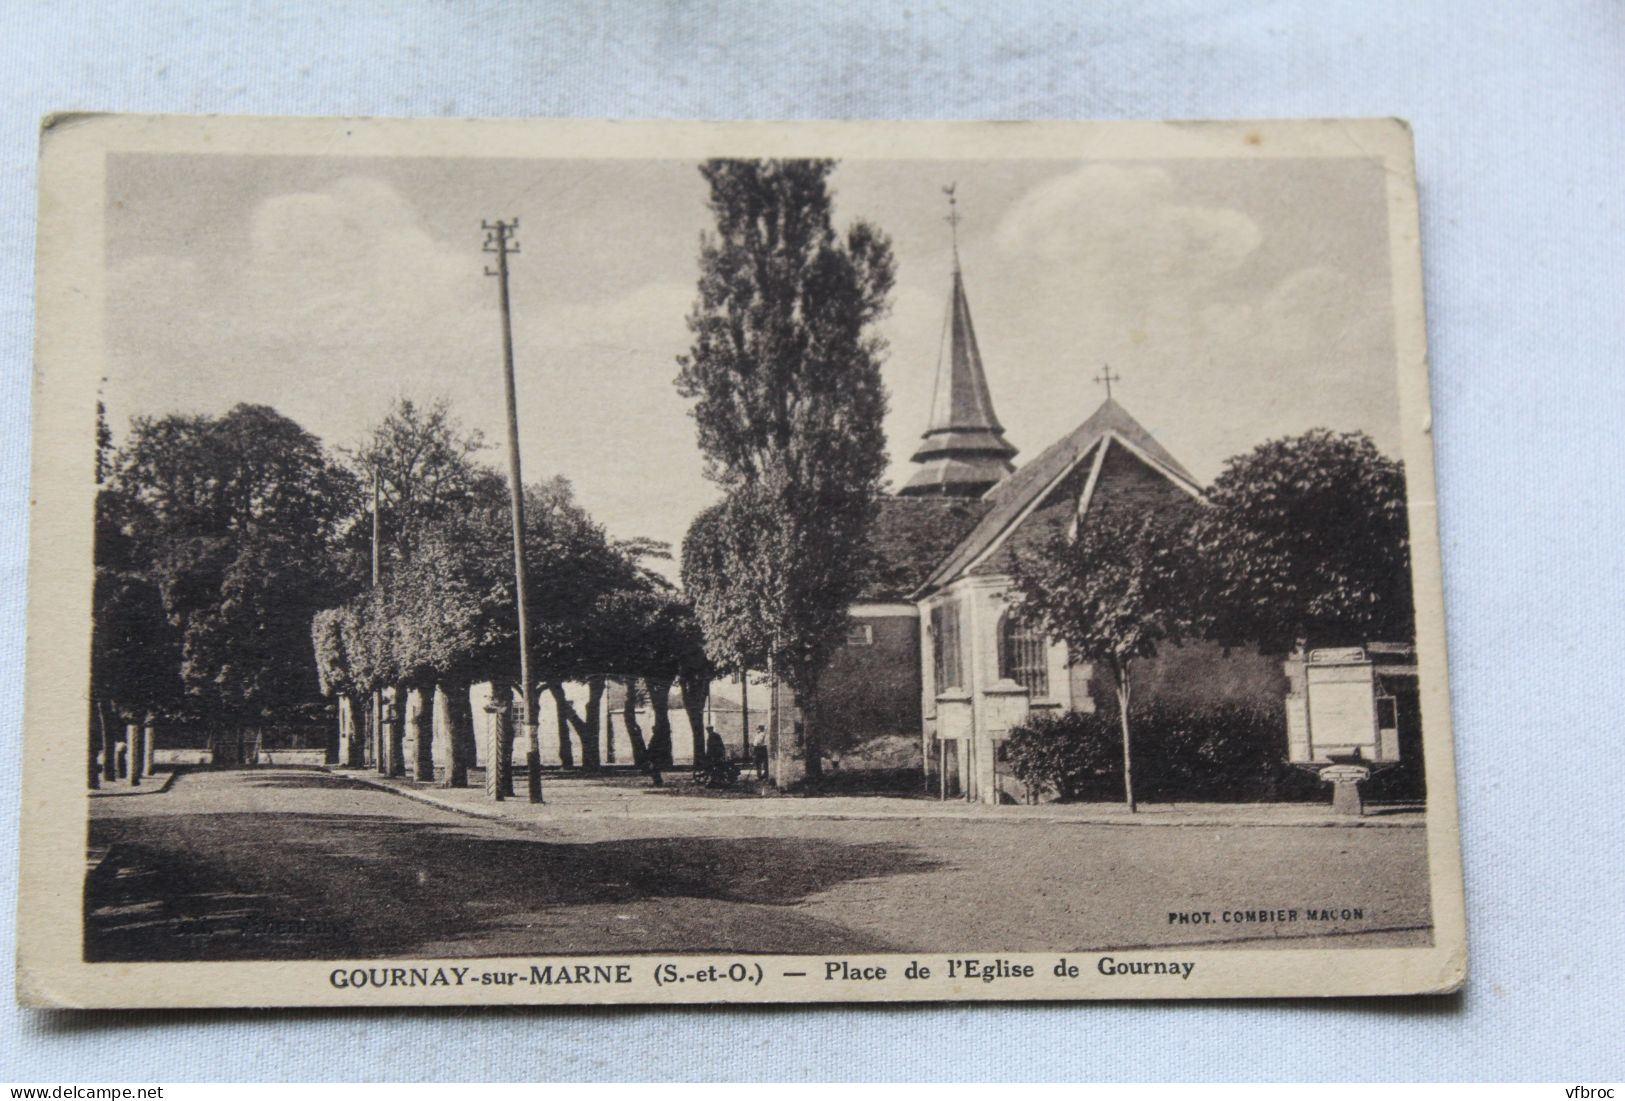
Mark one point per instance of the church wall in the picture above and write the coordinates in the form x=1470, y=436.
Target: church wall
x=1197, y=674
x=870, y=697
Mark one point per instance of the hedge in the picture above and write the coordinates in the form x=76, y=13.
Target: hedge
x=1220, y=753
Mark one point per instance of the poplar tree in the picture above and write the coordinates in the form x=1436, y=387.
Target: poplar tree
x=784, y=373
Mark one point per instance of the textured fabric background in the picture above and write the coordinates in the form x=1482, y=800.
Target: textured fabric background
x=1519, y=114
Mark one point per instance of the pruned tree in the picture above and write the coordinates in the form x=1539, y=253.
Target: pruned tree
x=721, y=577
x=657, y=638
x=1115, y=593
x=1307, y=542
x=784, y=372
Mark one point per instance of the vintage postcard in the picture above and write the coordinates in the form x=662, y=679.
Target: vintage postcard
x=577, y=562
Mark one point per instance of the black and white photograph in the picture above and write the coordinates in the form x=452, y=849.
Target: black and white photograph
x=727, y=563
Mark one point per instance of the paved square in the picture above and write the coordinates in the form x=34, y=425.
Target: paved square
x=285, y=863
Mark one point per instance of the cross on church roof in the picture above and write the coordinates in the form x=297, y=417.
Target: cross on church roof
x=1108, y=378
x=953, y=218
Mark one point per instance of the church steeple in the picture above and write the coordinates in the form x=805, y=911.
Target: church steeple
x=964, y=450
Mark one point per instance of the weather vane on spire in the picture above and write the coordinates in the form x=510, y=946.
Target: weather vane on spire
x=953, y=218
x=1108, y=378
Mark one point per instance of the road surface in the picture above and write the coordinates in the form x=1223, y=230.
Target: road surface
x=288, y=863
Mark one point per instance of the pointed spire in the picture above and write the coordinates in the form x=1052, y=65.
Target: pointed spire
x=965, y=451
x=953, y=220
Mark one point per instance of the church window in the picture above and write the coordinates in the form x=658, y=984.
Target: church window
x=860, y=634
x=1023, y=656
x=945, y=646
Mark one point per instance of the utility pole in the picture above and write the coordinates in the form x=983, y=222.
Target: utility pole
x=499, y=240
x=380, y=759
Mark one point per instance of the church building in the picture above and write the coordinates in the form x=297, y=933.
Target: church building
x=936, y=671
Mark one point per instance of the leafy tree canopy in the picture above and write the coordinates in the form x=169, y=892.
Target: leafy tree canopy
x=234, y=521
x=1116, y=592
x=425, y=464
x=1307, y=540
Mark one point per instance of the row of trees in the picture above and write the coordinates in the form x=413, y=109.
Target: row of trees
x=1302, y=541
x=443, y=614
x=234, y=584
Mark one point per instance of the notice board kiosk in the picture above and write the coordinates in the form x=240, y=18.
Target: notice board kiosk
x=1350, y=711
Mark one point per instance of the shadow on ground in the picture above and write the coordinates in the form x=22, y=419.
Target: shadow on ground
x=281, y=885
x=326, y=781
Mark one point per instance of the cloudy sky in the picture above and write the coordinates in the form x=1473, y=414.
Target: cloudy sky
x=1239, y=300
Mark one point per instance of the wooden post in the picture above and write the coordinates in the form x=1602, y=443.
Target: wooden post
x=1123, y=688
x=149, y=738
x=499, y=741
x=744, y=710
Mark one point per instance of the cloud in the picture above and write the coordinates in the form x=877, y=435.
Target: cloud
x=1124, y=225
x=353, y=266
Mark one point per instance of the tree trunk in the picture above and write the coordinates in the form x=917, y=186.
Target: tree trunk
x=812, y=734
x=134, y=751
x=1123, y=689
x=561, y=712
x=355, y=750
x=98, y=746
x=499, y=743
x=774, y=766
x=395, y=732
x=459, y=733
x=629, y=718
x=660, y=751
x=591, y=758
x=149, y=742
x=380, y=733
x=339, y=756
x=695, y=690
x=609, y=738
x=423, y=735
x=335, y=741
x=586, y=728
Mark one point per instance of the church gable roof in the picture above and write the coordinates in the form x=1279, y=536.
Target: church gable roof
x=910, y=536
x=1017, y=496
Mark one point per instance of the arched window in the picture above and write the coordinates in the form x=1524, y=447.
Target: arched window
x=1023, y=656
x=949, y=669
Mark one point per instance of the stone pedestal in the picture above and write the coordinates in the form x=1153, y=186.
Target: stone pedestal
x=1346, y=780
